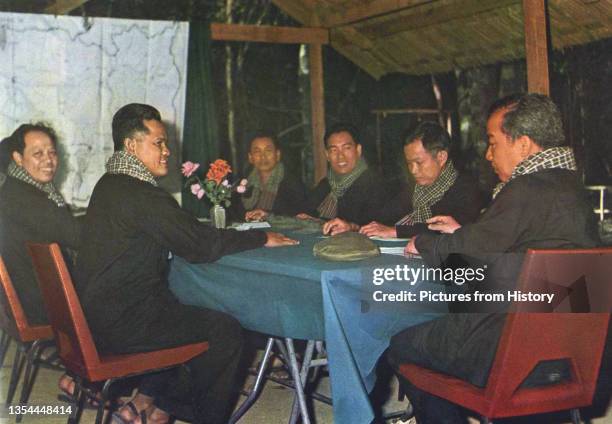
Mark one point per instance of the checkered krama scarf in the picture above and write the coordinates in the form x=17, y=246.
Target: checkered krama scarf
x=263, y=195
x=122, y=162
x=553, y=158
x=424, y=197
x=339, y=184
x=53, y=194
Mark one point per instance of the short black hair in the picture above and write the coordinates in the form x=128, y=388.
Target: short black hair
x=17, y=139
x=264, y=133
x=533, y=115
x=342, y=127
x=433, y=136
x=129, y=120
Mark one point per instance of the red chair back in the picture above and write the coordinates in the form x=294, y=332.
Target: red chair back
x=529, y=338
x=12, y=316
x=73, y=338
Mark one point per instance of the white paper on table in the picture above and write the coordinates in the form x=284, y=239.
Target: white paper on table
x=252, y=226
x=388, y=238
x=399, y=251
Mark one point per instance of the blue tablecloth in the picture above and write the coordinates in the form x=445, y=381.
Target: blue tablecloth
x=287, y=292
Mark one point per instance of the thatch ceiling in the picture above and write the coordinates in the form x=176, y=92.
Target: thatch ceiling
x=386, y=36
x=433, y=36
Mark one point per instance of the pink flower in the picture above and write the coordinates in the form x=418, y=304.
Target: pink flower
x=241, y=188
x=189, y=168
x=225, y=183
x=197, y=190
x=244, y=182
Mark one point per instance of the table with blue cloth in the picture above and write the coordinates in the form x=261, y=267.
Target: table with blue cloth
x=287, y=292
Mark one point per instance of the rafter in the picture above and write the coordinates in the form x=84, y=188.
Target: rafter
x=268, y=34
x=366, y=11
x=63, y=7
x=434, y=13
x=301, y=11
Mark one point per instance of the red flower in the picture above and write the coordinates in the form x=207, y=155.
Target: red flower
x=218, y=170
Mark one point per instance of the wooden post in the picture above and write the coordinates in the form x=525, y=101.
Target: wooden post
x=317, y=107
x=536, y=46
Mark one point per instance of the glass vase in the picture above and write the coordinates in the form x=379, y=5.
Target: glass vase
x=217, y=216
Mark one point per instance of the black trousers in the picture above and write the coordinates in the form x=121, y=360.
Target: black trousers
x=211, y=375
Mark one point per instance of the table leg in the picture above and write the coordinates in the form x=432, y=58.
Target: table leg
x=295, y=373
x=257, y=387
x=303, y=378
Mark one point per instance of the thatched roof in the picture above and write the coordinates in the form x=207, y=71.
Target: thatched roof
x=433, y=36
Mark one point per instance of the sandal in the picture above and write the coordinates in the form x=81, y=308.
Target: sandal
x=91, y=402
x=117, y=418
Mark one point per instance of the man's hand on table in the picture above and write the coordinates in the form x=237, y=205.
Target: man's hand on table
x=376, y=229
x=410, y=248
x=306, y=217
x=278, y=239
x=443, y=223
x=338, y=226
x=255, y=215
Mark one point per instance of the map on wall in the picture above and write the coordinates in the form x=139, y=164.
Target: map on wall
x=74, y=73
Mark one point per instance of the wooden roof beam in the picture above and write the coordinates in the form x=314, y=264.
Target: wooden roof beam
x=63, y=7
x=536, y=46
x=366, y=11
x=301, y=11
x=268, y=34
x=431, y=14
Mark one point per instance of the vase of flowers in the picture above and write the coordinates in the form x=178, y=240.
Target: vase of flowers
x=215, y=186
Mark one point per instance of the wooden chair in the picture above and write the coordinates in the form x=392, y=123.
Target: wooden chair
x=31, y=340
x=75, y=342
x=530, y=338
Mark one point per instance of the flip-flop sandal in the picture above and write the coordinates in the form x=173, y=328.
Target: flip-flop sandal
x=117, y=418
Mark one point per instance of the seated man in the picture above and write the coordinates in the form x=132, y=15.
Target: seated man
x=132, y=225
x=439, y=189
x=351, y=191
x=540, y=203
x=34, y=210
x=271, y=187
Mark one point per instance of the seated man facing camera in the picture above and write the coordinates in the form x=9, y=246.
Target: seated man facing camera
x=351, y=191
x=271, y=188
x=439, y=189
x=540, y=203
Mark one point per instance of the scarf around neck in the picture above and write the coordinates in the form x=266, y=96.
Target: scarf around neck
x=424, y=197
x=19, y=173
x=553, y=158
x=263, y=195
x=122, y=162
x=339, y=184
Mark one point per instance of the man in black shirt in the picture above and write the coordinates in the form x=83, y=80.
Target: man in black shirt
x=439, y=189
x=131, y=228
x=272, y=188
x=539, y=203
x=351, y=191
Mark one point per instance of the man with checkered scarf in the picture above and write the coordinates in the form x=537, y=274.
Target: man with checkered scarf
x=439, y=188
x=539, y=203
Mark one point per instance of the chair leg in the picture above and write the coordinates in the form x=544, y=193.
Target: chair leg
x=103, y=399
x=18, y=362
x=5, y=342
x=575, y=415
x=33, y=363
x=79, y=397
